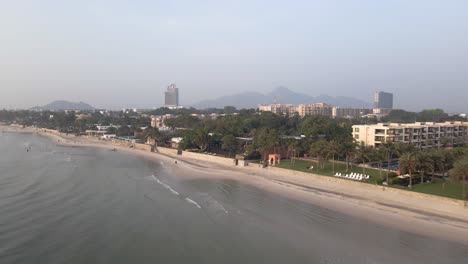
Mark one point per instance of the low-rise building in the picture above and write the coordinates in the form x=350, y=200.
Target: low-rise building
x=420, y=134
x=158, y=120
x=314, y=109
x=350, y=112
x=283, y=109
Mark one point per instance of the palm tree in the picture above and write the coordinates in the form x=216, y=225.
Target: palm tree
x=437, y=159
x=363, y=153
x=332, y=150
x=389, y=149
x=379, y=155
x=459, y=172
x=348, y=148
x=151, y=133
x=424, y=163
x=408, y=164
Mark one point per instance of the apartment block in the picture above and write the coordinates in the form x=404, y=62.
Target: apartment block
x=283, y=109
x=314, y=109
x=420, y=134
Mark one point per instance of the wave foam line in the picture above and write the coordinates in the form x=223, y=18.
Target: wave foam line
x=165, y=185
x=192, y=202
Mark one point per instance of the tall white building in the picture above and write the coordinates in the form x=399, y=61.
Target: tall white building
x=171, y=96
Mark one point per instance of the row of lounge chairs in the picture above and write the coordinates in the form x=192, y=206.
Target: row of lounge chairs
x=353, y=176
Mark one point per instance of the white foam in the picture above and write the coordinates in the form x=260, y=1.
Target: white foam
x=164, y=185
x=218, y=206
x=192, y=202
x=209, y=202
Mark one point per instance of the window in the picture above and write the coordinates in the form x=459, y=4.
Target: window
x=356, y=129
x=356, y=136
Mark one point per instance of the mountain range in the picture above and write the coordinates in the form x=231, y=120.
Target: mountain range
x=61, y=105
x=279, y=95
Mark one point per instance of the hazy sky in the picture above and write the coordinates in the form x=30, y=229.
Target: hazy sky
x=123, y=53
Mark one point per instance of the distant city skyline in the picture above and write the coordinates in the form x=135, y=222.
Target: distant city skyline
x=115, y=54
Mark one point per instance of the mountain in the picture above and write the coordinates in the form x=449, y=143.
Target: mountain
x=61, y=105
x=279, y=95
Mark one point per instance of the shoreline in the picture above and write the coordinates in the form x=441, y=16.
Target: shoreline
x=410, y=214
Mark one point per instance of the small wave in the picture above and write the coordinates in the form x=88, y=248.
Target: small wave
x=164, y=185
x=209, y=202
x=192, y=202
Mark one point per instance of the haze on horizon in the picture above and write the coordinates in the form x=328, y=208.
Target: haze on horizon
x=115, y=54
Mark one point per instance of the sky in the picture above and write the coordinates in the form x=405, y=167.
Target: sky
x=115, y=54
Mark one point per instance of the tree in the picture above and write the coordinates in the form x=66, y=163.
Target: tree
x=332, y=150
x=437, y=160
x=348, y=148
x=293, y=148
x=202, y=138
x=389, y=149
x=459, y=173
x=408, y=164
x=449, y=159
x=230, y=144
x=188, y=139
x=266, y=139
x=423, y=163
x=379, y=155
x=363, y=154
x=319, y=149
x=151, y=133
x=445, y=141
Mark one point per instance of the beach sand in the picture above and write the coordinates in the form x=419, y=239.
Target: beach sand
x=432, y=218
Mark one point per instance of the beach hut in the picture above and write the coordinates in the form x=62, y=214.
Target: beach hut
x=274, y=159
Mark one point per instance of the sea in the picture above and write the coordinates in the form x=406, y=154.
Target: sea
x=61, y=204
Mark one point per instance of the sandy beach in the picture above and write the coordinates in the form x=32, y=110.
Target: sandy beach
x=404, y=212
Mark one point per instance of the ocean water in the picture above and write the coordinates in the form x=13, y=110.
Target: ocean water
x=86, y=205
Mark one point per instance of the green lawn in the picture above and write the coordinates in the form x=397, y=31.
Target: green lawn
x=450, y=190
x=302, y=165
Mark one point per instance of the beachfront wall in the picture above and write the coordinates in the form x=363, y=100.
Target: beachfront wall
x=209, y=158
x=196, y=156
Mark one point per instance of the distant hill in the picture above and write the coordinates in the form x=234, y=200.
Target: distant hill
x=280, y=95
x=61, y=105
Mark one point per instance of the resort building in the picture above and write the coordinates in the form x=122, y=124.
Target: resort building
x=420, y=134
x=314, y=109
x=350, y=112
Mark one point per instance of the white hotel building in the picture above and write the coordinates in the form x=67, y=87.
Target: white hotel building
x=420, y=134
